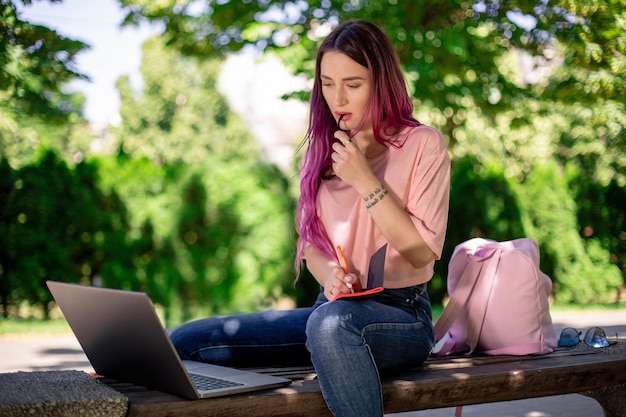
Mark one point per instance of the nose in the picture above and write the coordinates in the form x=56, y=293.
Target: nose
x=340, y=97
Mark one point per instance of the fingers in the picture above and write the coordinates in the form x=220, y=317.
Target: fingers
x=342, y=138
x=349, y=281
x=353, y=283
x=336, y=285
x=342, y=148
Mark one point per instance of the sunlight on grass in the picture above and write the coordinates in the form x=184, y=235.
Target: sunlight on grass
x=588, y=307
x=58, y=326
x=25, y=327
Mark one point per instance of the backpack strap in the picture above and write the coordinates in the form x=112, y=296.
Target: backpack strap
x=456, y=303
x=481, y=294
x=462, y=292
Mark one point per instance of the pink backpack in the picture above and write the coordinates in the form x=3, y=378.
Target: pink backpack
x=498, y=301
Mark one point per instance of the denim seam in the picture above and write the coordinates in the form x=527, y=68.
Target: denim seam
x=391, y=326
x=380, y=388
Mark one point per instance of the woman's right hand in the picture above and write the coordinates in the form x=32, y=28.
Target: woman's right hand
x=339, y=282
x=329, y=274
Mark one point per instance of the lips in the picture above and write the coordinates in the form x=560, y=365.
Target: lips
x=346, y=116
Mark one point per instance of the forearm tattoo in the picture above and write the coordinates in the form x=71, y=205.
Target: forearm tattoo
x=375, y=196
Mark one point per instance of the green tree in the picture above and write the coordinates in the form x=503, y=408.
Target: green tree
x=524, y=83
x=7, y=252
x=452, y=50
x=179, y=116
x=583, y=267
x=187, y=199
x=189, y=170
x=55, y=224
x=36, y=63
x=529, y=94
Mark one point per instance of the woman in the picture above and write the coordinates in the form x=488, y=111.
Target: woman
x=375, y=183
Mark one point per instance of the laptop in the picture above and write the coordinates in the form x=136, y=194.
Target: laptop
x=124, y=339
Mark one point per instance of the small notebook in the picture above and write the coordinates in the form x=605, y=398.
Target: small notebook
x=124, y=339
x=360, y=294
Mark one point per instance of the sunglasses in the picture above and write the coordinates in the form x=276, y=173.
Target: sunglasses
x=594, y=337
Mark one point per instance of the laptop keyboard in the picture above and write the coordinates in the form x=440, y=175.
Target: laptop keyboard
x=207, y=383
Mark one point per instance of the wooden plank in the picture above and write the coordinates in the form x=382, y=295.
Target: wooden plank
x=548, y=375
x=440, y=383
x=300, y=398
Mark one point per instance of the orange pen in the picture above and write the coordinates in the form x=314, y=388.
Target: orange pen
x=342, y=260
x=344, y=265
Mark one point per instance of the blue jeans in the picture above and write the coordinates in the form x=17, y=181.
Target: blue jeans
x=349, y=342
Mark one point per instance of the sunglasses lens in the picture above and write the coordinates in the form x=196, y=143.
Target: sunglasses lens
x=569, y=337
x=595, y=337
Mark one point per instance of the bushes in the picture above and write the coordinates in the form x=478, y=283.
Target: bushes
x=54, y=223
x=486, y=203
x=221, y=239
x=197, y=245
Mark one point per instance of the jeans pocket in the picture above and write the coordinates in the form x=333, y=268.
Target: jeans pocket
x=411, y=343
x=414, y=300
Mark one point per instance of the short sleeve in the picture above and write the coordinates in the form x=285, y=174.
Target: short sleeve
x=428, y=197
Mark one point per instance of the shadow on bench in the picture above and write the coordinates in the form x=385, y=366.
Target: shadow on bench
x=441, y=382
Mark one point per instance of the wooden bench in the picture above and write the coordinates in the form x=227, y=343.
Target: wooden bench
x=441, y=382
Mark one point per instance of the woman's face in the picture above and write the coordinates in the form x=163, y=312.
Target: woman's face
x=346, y=87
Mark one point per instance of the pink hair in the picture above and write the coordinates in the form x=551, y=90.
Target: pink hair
x=390, y=108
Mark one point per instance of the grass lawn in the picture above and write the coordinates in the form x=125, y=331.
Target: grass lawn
x=58, y=326
x=38, y=327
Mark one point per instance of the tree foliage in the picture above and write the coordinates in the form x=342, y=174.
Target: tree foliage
x=35, y=63
x=529, y=94
x=223, y=216
x=55, y=223
x=519, y=88
x=179, y=203
x=181, y=206
x=450, y=48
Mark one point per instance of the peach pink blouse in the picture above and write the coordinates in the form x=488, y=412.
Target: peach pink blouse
x=417, y=174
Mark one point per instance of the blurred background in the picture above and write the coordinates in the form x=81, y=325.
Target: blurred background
x=154, y=146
